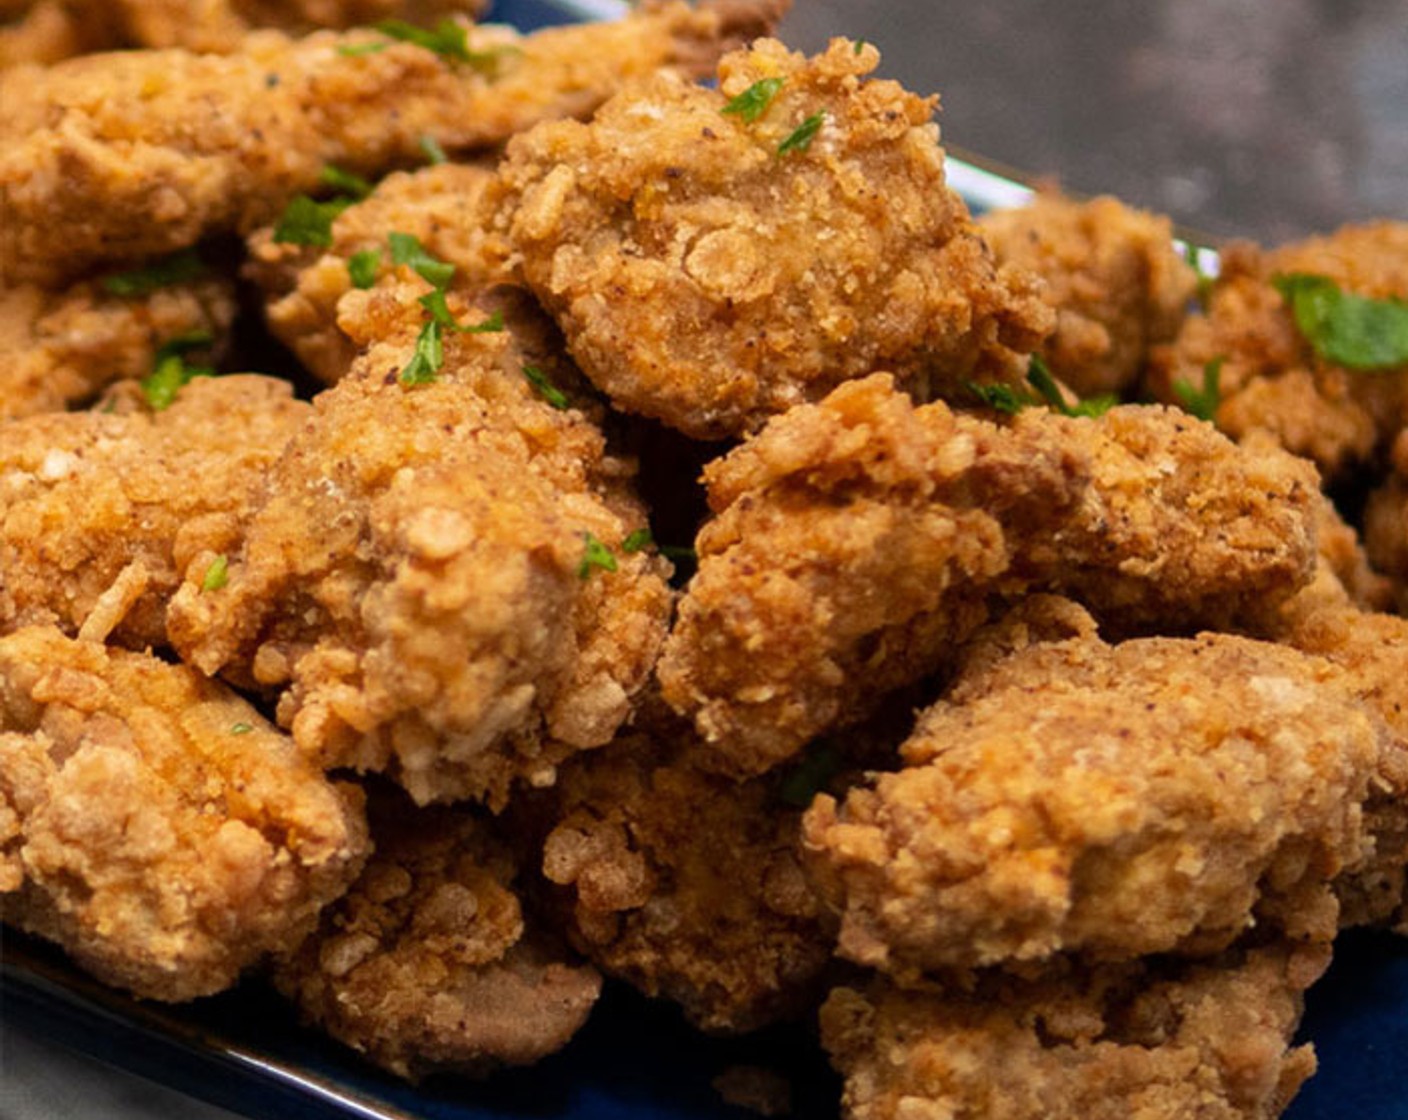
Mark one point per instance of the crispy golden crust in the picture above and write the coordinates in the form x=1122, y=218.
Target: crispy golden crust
x=1112, y=275
x=444, y=207
x=415, y=581
x=101, y=512
x=858, y=541
x=46, y=31
x=63, y=348
x=155, y=825
x=126, y=156
x=686, y=885
x=1159, y=795
x=707, y=280
x=1386, y=523
x=1156, y=1041
x=1270, y=377
x=426, y=964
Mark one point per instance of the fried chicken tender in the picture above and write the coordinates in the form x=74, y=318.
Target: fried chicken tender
x=101, y=512
x=1270, y=376
x=63, y=348
x=153, y=824
x=420, y=578
x=119, y=157
x=1113, y=277
x=1160, y=795
x=858, y=542
x=684, y=884
x=428, y=963
x=1156, y=1040
x=1386, y=523
x=445, y=207
x=711, y=266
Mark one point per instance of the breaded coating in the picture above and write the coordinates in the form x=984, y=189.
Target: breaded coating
x=153, y=824
x=63, y=348
x=124, y=156
x=684, y=884
x=1157, y=1041
x=44, y=31
x=1270, y=376
x=445, y=207
x=420, y=578
x=1161, y=795
x=1386, y=523
x=858, y=542
x=100, y=513
x=711, y=267
x=1112, y=275
x=427, y=964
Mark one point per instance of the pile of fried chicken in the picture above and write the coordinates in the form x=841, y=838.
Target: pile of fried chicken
x=676, y=542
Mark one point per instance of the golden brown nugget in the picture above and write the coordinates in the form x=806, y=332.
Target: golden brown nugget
x=686, y=885
x=124, y=156
x=1160, y=795
x=428, y=579
x=711, y=267
x=1167, y=1041
x=1270, y=377
x=446, y=208
x=63, y=348
x=45, y=31
x=1386, y=522
x=101, y=512
x=1112, y=275
x=153, y=824
x=428, y=964
x=858, y=542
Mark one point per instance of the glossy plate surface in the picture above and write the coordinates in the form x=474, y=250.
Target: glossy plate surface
x=243, y=1050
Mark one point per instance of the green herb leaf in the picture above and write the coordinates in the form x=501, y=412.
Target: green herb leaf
x=1203, y=402
x=179, y=268
x=217, y=575
x=1002, y=398
x=679, y=552
x=753, y=102
x=241, y=728
x=433, y=151
x=1093, y=406
x=1039, y=378
x=424, y=366
x=363, y=267
x=355, y=50
x=595, y=555
x=546, y=389
x=346, y=182
x=638, y=540
x=492, y=325
x=1350, y=330
x=439, y=308
x=170, y=371
x=448, y=39
x=309, y=222
x=406, y=249
x=801, y=139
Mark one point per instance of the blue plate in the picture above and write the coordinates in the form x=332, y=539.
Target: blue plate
x=635, y=1059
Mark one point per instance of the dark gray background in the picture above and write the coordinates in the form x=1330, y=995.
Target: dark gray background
x=1267, y=119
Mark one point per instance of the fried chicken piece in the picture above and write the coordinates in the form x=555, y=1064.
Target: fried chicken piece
x=44, y=31
x=63, y=348
x=1161, y=795
x=428, y=963
x=708, y=278
x=119, y=157
x=1156, y=1040
x=684, y=884
x=1270, y=377
x=858, y=542
x=1113, y=277
x=444, y=207
x=1386, y=523
x=153, y=824
x=100, y=513
x=426, y=577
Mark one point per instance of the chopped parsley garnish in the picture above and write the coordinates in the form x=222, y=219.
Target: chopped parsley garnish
x=175, y=269
x=810, y=776
x=432, y=149
x=638, y=540
x=425, y=364
x=546, y=389
x=861, y=44
x=439, y=309
x=344, y=181
x=1002, y=398
x=448, y=39
x=679, y=552
x=241, y=728
x=1353, y=331
x=170, y=371
x=753, y=102
x=492, y=325
x=595, y=555
x=362, y=268
x=355, y=50
x=1039, y=378
x=406, y=249
x=1203, y=402
x=217, y=575
x=802, y=137
x=309, y=222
